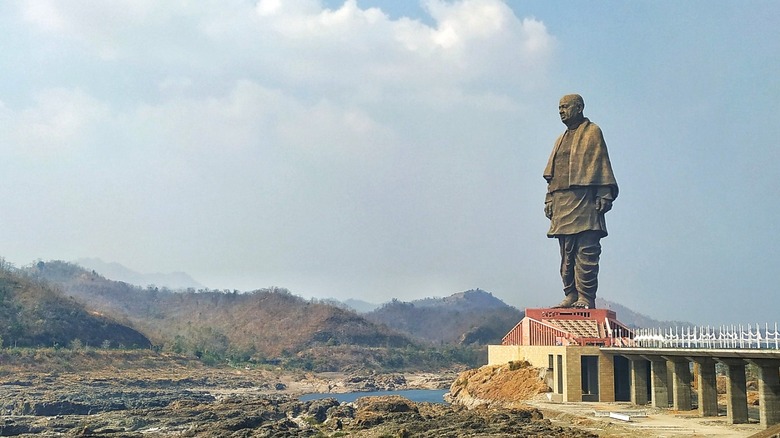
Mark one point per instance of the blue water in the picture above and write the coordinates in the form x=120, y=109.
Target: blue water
x=415, y=395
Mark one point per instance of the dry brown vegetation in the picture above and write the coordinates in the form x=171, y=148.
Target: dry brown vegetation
x=108, y=362
x=265, y=326
x=33, y=314
x=267, y=323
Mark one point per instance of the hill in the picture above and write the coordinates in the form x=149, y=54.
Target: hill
x=118, y=272
x=475, y=317
x=264, y=325
x=274, y=326
x=33, y=314
x=470, y=317
x=635, y=319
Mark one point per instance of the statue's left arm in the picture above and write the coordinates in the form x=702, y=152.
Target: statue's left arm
x=604, y=199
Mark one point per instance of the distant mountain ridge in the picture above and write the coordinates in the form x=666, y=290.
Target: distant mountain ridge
x=475, y=316
x=264, y=324
x=275, y=326
x=118, y=272
x=467, y=300
x=635, y=319
x=470, y=317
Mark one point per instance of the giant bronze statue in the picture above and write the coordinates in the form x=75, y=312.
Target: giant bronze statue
x=580, y=190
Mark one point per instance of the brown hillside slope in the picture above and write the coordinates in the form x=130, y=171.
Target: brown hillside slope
x=471, y=317
x=265, y=323
x=33, y=314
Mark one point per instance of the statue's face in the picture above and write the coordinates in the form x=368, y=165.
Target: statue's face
x=569, y=110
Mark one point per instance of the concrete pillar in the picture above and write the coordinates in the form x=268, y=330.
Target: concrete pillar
x=638, y=379
x=606, y=378
x=681, y=383
x=707, y=386
x=660, y=382
x=768, y=390
x=572, y=387
x=736, y=391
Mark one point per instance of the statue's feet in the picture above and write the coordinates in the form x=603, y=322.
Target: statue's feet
x=584, y=303
x=567, y=302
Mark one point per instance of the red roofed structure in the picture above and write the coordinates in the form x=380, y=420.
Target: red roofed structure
x=567, y=343
x=598, y=327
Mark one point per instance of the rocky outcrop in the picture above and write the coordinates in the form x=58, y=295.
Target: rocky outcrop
x=282, y=416
x=506, y=386
x=230, y=403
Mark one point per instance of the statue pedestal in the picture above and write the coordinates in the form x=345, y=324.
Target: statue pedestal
x=554, y=326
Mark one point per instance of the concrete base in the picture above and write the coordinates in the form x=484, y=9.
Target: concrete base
x=706, y=382
x=660, y=383
x=768, y=391
x=736, y=391
x=638, y=380
x=681, y=384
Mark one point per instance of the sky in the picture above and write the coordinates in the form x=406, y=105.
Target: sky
x=377, y=150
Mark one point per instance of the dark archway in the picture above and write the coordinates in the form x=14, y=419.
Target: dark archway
x=622, y=378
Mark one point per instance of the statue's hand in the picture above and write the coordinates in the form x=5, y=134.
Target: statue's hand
x=548, y=210
x=603, y=205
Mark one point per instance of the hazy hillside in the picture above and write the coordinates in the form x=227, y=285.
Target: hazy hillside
x=269, y=325
x=118, y=272
x=264, y=324
x=33, y=314
x=473, y=316
x=360, y=306
x=635, y=319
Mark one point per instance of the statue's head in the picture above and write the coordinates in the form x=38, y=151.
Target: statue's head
x=570, y=108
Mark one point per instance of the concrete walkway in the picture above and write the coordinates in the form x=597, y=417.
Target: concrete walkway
x=658, y=422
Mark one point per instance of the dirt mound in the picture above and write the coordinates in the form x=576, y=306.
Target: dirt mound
x=506, y=385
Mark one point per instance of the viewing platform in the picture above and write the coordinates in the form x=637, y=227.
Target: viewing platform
x=591, y=356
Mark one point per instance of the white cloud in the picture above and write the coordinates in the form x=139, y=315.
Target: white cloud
x=289, y=71
x=537, y=41
x=101, y=25
x=300, y=43
x=268, y=7
x=288, y=8
x=61, y=122
x=278, y=133
x=45, y=15
x=459, y=22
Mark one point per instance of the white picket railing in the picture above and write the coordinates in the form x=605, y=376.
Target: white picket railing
x=705, y=337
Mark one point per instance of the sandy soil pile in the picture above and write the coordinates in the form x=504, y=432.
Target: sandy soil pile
x=497, y=385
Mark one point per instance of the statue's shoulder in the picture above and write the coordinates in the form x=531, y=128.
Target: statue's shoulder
x=590, y=126
x=592, y=131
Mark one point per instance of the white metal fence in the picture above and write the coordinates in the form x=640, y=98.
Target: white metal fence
x=723, y=337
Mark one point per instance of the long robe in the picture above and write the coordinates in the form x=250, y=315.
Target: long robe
x=573, y=194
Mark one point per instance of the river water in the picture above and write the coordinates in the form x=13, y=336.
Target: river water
x=415, y=395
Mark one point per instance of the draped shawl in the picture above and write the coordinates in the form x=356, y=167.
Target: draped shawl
x=589, y=163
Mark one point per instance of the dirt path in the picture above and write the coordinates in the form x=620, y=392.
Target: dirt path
x=656, y=423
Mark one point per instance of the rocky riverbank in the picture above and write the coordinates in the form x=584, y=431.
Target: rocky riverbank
x=64, y=405
x=282, y=416
x=167, y=396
